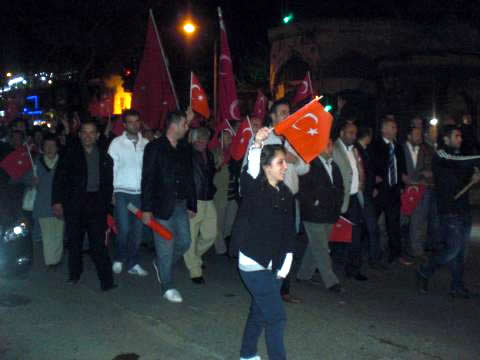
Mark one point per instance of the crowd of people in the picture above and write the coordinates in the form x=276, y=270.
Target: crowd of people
x=253, y=209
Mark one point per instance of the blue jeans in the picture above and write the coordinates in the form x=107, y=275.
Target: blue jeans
x=129, y=230
x=433, y=222
x=170, y=251
x=266, y=311
x=453, y=229
x=371, y=227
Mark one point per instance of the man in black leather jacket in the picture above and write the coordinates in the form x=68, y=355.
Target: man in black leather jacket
x=203, y=226
x=168, y=194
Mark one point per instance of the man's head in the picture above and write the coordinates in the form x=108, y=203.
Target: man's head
x=200, y=137
x=389, y=128
x=226, y=138
x=131, y=120
x=279, y=111
x=256, y=124
x=176, y=125
x=88, y=134
x=414, y=136
x=348, y=133
x=452, y=137
x=328, y=152
x=365, y=135
x=17, y=138
x=416, y=122
x=467, y=119
x=431, y=135
x=50, y=147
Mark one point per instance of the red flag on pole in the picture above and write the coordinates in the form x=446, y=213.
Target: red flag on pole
x=17, y=163
x=102, y=107
x=241, y=139
x=198, y=97
x=227, y=92
x=260, y=108
x=304, y=90
x=307, y=130
x=154, y=95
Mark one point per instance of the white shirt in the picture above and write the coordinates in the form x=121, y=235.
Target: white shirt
x=328, y=166
x=413, y=152
x=388, y=142
x=353, y=164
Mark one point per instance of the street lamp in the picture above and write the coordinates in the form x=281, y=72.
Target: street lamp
x=189, y=27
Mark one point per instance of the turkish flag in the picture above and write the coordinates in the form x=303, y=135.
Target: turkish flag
x=304, y=90
x=153, y=94
x=102, y=107
x=17, y=163
x=227, y=91
x=307, y=130
x=411, y=198
x=118, y=127
x=241, y=139
x=221, y=126
x=341, y=231
x=260, y=107
x=198, y=97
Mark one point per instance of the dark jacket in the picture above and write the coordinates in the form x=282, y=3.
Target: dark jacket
x=367, y=162
x=203, y=173
x=265, y=224
x=158, y=177
x=320, y=200
x=71, y=177
x=451, y=173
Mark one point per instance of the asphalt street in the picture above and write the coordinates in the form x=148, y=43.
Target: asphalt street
x=43, y=318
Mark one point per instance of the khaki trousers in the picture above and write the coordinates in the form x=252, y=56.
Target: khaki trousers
x=52, y=239
x=203, y=229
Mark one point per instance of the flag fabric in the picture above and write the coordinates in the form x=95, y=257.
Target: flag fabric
x=241, y=139
x=411, y=198
x=304, y=90
x=221, y=126
x=154, y=95
x=118, y=127
x=341, y=231
x=17, y=163
x=102, y=107
x=227, y=92
x=198, y=97
x=260, y=107
x=307, y=130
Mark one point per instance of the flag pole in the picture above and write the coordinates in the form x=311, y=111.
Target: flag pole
x=215, y=85
x=191, y=83
x=164, y=57
x=310, y=81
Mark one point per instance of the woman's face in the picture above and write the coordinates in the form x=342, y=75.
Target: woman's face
x=275, y=172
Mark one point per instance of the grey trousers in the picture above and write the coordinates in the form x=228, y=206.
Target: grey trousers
x=317, y=254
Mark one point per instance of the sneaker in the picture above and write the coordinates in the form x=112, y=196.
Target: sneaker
x=156, y=271
x=137, y=270
x=173, y=295
x=117, y=267
x=252, y=358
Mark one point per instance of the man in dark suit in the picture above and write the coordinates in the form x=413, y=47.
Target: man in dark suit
x=389, y=168
x=82, y=193
x=321, y=197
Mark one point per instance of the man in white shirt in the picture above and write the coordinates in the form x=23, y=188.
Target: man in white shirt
x=127, y=154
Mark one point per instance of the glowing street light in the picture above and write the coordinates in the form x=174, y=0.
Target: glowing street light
x=9, y=74
x=189, y=27
x=434, y=122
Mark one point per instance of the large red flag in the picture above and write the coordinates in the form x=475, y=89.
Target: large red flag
x=260, y=108
x=154, y=95
x=307, y=130
x=102, y=107
x=17, y=163
x=198, y=98
x=227, y=92
x=241, y=139
x=304, y=90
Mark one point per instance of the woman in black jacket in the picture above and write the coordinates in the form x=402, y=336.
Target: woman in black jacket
x=265, y=230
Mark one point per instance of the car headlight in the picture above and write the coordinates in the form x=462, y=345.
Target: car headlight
x=15, y=232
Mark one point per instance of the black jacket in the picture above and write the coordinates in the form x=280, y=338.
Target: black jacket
x=71, y=177
x=451, y=173
x=379, y=154
x=368, y=167
x=203, y=173
x=158, y=177
x=265, y=224
x=320, y=200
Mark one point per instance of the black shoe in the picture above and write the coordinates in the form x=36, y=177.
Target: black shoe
x=198, y=280
x=360, y=277
x=73, y=281
x=109, y=287
x=422, y=282
x=337, y=289
x=462, y=294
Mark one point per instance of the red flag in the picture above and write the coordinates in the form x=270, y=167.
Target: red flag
x=198, y=97
x=307, y=130
x=118, y=127
x=341, y=231
x=260, y=108
x=17, y=163
x=227, y=92
x=304, y=90
x=153, y=224
x=102, y=107
x=241, y=139
x=221, y=126
x=154, y=95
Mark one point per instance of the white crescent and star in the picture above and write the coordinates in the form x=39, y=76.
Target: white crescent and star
x=233, y=107
x=305, y=86
x=311, y=131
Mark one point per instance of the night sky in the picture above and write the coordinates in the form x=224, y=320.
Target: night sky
x=107, y=36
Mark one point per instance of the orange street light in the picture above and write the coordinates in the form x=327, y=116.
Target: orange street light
x=189, y=27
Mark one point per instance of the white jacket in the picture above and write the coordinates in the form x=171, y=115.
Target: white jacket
x=127, y=163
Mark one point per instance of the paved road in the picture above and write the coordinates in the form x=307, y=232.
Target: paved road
x=42, y=318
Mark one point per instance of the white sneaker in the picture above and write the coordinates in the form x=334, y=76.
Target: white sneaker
x=173, y=295
x=156, y=271
x=117, y=267
x=252, y=358
x=137, y=270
